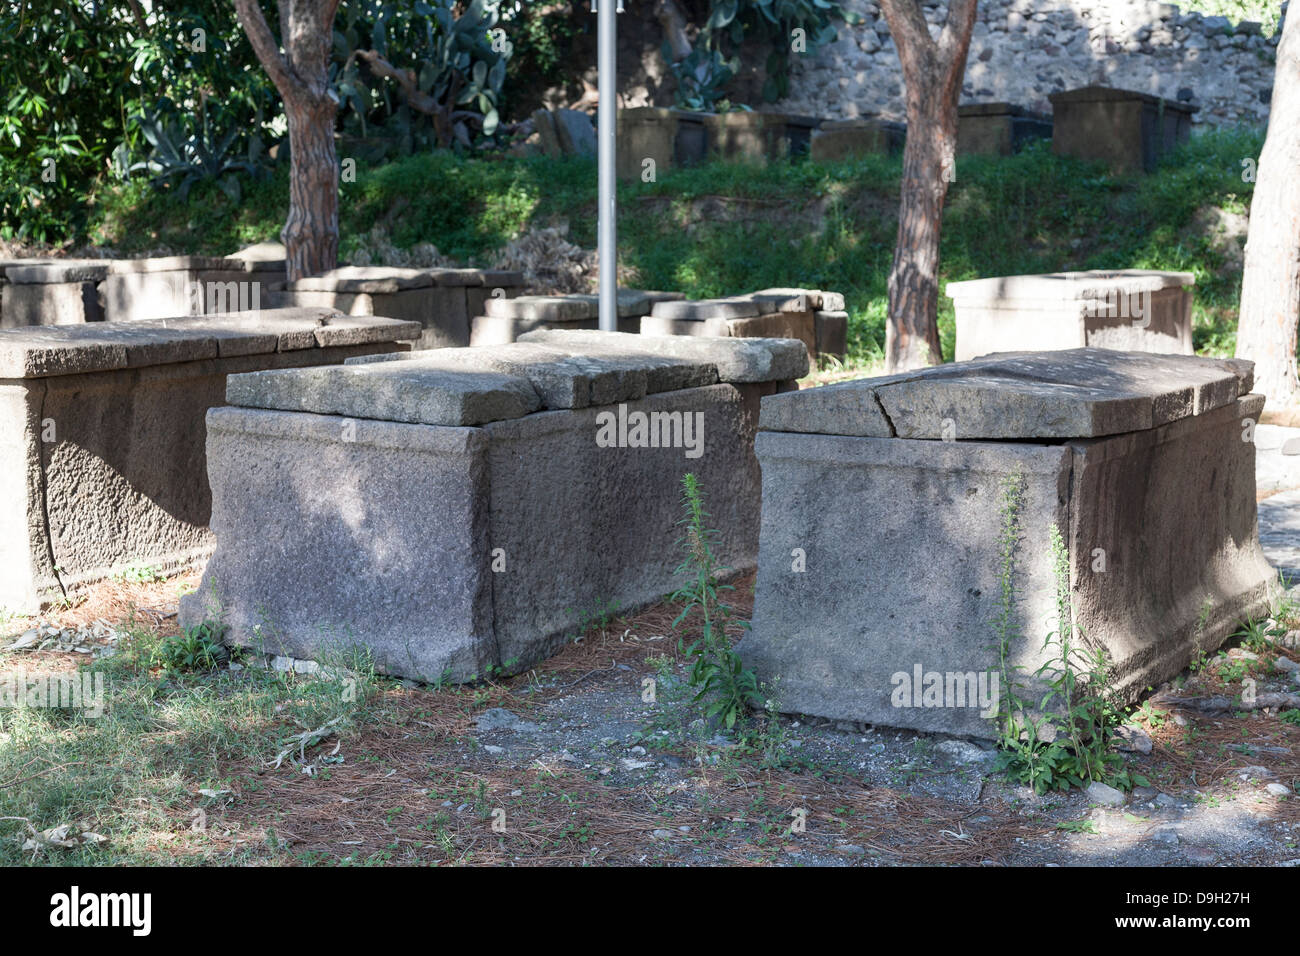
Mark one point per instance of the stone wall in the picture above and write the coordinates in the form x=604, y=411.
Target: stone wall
x=1024, y=50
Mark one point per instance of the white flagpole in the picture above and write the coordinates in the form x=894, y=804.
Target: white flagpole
x=606, y=121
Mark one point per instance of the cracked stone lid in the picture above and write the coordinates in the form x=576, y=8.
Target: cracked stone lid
x=1074, y=393
x=47, y=350
x=544, y=370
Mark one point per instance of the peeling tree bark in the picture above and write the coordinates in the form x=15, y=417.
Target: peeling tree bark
x=301, y=74
x=932, y=74
x=1270, y=288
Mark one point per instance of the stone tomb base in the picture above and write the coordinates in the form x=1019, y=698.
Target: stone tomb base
x=465, y=509
x=101, y=435
x=1138, y=461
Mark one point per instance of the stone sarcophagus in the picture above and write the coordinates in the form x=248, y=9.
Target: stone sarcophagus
x=443, y=301
x=101, y=435
x=885, y=504
x=1130, y=309
x=461, y=510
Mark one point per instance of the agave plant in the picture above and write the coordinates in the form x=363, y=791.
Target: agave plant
x=449, y=69
x=182, y=157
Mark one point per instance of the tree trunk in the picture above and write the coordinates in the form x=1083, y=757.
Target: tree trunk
x=311, y=232
x=301, y=74
x=1270, y=289
x=932, y=74
x=912, y=333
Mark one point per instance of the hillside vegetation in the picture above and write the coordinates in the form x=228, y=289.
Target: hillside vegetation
x=722, y=229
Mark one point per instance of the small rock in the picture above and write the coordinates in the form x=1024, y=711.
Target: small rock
x=1241, y=654
x=1165, y=835
x=1286, y=664
x=1099, y=792
x=498, y=718
x=1254, y=773
x=1132, y=739
x=1164, y=800
x=493, y=749
x=1278, y=790
x=1144, y=793
x=851, y=849
x=27, y=640
x=663, y=834
x=963, y=752
x=627, y=763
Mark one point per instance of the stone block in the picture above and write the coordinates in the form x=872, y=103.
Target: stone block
x=353, y=500
x=379, y=539
x=1127, y=310
x=843, y=139
x=102, y=429
x=1127, y=130
x=998, y=129
x=896, y=587
x=670, y=138
x=759, y=137
x=737, y=360
x=179, y=285
x=832, y=332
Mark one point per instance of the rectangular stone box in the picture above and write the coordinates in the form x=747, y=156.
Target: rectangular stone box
x=52, y=292
x=998, y=129
x=803, y=314
x=1127, y=130
x=506, y=320
x=879, y=552
x=759, y=137
x=841, y=139
x=101, y=436
x=441, y=300
x=671, y=138
x=458, y=510
x=1131, y=309
x=180, y=285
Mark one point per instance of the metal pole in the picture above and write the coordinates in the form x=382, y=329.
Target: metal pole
x=606, y=121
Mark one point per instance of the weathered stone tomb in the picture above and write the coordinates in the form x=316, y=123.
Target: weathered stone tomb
x=458, y=510
x=883, y=505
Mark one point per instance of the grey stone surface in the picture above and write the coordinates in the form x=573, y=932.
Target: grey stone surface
x=1131, y=309
x=609, y=515
x=58, y=271
x=546, y=308
x=370, y=280
x=178, y=285
x=103, y=462
x=1173, y=509
x=409, y=392
x=901, y=570
x=571, y=378
x=363, y=533
x=576, y=135
x=844, y=408
x=737, y=360
x=832, y=331
x=739, y=307
x=899, y=537
x=1075, y=393
x=97, y=347
x=777, y=325
x=709, y=328
x=438, y=546
x=502, y=330
x=49, y=303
